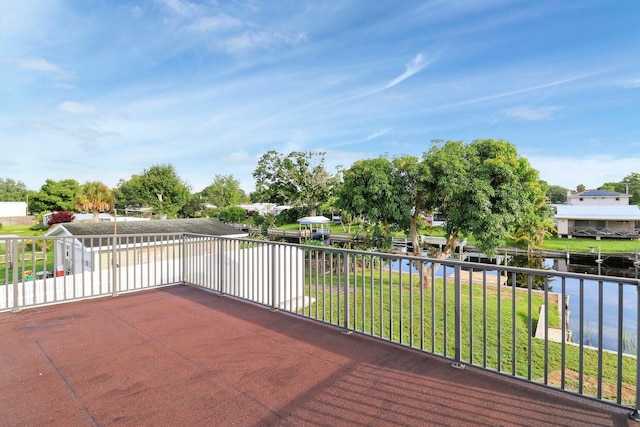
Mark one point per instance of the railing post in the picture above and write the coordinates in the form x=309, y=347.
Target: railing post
x=347, y=285
x=457, y=319
x=183, y=275
x=114, y=268
x=274, y=277
x=634, y=415
x=16, y=267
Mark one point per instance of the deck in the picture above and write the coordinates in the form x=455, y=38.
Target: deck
x=183, y=356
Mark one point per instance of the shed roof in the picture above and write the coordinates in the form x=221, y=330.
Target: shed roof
x=601, y=212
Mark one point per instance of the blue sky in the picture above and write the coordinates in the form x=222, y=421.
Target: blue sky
x=101, y=90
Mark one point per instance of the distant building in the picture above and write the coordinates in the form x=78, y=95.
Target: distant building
x=598, y=213
x=598, y=197
x=13, y=209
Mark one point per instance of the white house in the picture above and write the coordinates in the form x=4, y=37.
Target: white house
x=618, y=221
x=598, y=198
x=13, y=209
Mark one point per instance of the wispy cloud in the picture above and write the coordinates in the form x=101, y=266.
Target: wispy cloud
x=524, y=90
x=251, y=40
x=532, y=114
x=413, y=67
x=377, y=134
x=77, y=108
x=592, y=171
x=40, y=65
x=182, y=8
x=630, y=84
x=214, y=23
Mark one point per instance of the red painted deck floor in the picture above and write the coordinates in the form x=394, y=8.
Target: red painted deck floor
x=181, y=356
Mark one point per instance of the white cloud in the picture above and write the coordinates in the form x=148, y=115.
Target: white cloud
x=631, y=84
x=591, y=171
x=251, y=40
x=77, y=108
x=40, y=65
x=377, y=134
x=181, y=8
x=532, y=114
x=214, y=23
x=417, y=64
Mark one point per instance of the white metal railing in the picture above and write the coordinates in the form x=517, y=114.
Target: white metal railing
x=575, y=332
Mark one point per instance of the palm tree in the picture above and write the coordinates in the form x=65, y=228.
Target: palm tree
x=94, y=197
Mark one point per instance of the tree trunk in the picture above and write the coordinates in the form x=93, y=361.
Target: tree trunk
x=413, y=232
x=428, y=271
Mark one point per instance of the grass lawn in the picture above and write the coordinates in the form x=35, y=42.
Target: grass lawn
x=20, y=230
x=37, y=263
x=495, y=328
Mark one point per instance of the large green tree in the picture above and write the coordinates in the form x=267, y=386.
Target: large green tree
x=224, y=191
x=54, y=196
x=296, y=179
x=13, y=191
x=557, y=194
x=630, y=184
x=374, y=189
x=94, y=197
x=158, y=187
x=485, y=189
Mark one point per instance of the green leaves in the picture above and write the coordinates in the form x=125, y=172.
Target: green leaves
x=158, y=187
x=297, y=179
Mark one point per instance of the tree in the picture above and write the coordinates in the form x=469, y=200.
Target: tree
x=13, y=191
x=298, y=179
x=580, y=188
x=95, y=197
x=158, y=187
x=484, y=188
x=54, y=196
x=557, y=194
x=193, y=207
x=629, y=184
x=232, y=214
x=374, y=190
x=224, y=191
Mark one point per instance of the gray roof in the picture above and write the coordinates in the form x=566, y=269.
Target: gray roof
x=602, y=212
x=167, y=227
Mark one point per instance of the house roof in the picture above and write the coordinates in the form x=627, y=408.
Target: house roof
x=598, y=193
x=601, y=212
x=206, y=226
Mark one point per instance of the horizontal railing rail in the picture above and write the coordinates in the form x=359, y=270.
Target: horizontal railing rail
x=574, y=332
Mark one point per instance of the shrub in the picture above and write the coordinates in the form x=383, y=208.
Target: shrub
x=61, y=217
x=39, y=227
x=290, y=216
